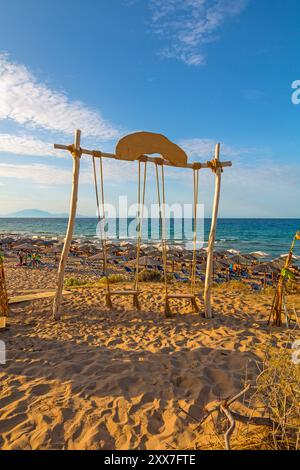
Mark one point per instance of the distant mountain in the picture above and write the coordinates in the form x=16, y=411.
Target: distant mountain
x=36, y=213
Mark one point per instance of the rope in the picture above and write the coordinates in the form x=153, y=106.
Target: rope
x=214, y=165
x=101, y=218
x=162, y=219
x=194, y=262
x=75, y=153
x=140, y=218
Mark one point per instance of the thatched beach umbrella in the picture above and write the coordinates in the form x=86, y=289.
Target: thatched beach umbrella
x=26, y=246
x=221, y=253
x=218, y=265
x=233, y=252
x=145, y=261
x=100, y=257
x=44, y=243
x=7, y=240
x=259, y=254
x=54, y=249
x=267, y=268
x=294, y=257
x=24, y=241
x=278, y=263
x=241, y=259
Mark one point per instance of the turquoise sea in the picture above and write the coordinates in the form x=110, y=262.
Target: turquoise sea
x=269, y=235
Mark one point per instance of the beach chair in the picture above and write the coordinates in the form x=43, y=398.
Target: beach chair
x=179, y=278
x=256, y=287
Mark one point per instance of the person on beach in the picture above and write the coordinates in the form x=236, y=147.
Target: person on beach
x=20, y=255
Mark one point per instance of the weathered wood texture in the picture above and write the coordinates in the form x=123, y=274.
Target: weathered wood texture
x=3, y=291
x=211, y=240
x=73, y=206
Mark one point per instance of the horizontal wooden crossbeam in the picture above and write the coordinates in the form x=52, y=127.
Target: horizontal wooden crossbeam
x=99, y=154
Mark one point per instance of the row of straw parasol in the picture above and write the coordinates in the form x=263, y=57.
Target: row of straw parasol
x=151, y=254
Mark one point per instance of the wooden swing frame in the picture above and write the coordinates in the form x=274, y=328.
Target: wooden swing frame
x=76, y=151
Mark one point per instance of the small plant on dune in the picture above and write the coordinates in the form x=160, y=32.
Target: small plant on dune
x=239, y=286
x=278, y=389
x=113, y=279
x=74, y=282
x=275, y=394
x=149, y=275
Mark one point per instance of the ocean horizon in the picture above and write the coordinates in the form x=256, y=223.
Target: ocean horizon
x=272, y=236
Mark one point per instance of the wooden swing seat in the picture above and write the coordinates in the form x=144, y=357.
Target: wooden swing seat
x=191, y=297
x=134, y=294
x=181, y=296
x=123, y=292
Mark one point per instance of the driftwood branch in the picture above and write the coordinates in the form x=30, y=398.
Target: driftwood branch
x=231, y=428
x=231, y=416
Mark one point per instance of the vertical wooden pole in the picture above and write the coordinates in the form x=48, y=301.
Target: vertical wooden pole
x=3, y=296
x=276, y=309
x=211, y=241
x=76, y=154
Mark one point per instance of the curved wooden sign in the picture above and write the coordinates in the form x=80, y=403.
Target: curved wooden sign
x=132, y=146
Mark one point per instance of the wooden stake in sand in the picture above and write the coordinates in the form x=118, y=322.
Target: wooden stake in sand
x=76, y=153
x=278, y=304
x=3, y=296
x=211, y=242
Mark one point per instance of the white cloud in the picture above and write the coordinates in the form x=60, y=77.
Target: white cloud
x=48, y=175
x=27, y=102
x=37, y=173
x=26, y=145
x=265, y=190
x=205, y=148
x=188, y=25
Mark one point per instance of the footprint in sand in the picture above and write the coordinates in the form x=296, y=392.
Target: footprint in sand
x=40, y=389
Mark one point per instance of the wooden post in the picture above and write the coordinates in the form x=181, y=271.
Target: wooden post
x=278, y=300
x=76, y=154
x=211, y=241
x=3, y=296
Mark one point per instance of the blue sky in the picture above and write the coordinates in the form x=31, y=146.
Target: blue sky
x=199, y=71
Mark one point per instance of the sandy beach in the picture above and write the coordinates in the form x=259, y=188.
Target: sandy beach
x=116, y=379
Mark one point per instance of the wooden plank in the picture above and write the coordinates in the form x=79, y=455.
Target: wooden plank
x=181, y=296
x=30, y=297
